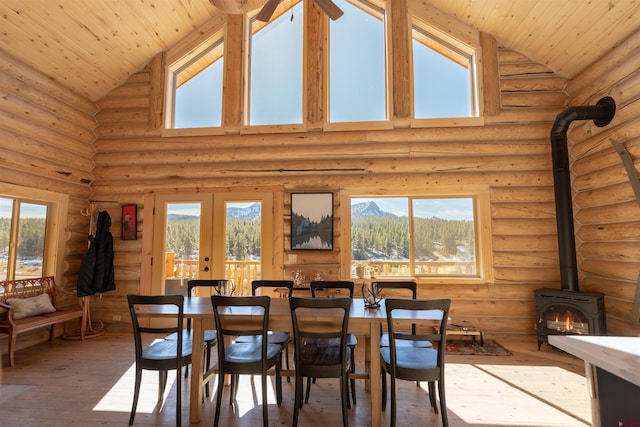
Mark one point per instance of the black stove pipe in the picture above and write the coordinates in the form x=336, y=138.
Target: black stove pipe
x=602, y=113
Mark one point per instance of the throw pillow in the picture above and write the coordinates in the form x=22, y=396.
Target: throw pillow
x=32, y=306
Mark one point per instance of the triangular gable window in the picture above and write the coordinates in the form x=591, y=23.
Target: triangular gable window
x=197, y=88
x=443, y=76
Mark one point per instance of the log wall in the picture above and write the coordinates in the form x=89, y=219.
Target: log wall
x=46, y=143
x=47, y=139
x=509, y=154
x=606, y=210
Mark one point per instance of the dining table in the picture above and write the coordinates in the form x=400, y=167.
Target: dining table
x=363, y=321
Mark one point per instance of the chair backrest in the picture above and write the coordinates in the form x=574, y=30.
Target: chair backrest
x=273, y=284
x=331, y=285
x=170, y=303
x=250, y=318
x=216, y=286
x=320, y=318
x=404, y=285
x=437, y=335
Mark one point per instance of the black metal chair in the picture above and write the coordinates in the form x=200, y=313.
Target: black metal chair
x=219, y=287
x=321, y=361
x=334, y=288
x=250, y=358
x=413, y=363
x=163, y=355
x=274, y=337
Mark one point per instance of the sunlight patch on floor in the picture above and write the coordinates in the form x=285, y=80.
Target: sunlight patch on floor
x=521, y=395
x=249, y=393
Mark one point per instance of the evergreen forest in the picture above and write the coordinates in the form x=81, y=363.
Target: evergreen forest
x=387, y=238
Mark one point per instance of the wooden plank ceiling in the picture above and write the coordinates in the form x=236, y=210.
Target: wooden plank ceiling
x=92, y=46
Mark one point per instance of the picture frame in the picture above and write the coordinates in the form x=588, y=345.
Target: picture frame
x=129, y=222
x=312, y=221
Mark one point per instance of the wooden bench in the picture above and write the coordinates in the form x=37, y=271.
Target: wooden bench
x=28, y=288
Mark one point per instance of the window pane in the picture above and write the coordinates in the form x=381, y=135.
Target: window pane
x=357, y=65
x=276, y=70
x=442, y=78
x=198, y=93
x=32, y=224
x=380, y=236
x=6, y=206
x=444, y=241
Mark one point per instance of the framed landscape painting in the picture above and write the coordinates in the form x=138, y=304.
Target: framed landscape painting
x=312, y=221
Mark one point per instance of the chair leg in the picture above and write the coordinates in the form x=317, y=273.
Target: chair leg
x=279, y=382
x=306, y=399
x=383, y=387
x=297, y=403
x=216, y=418
x=443, y=404
x=178, y=397
x=286, y=360
x=265, y=407
x=206, y=368
x=136, y=394
x=344, y=392
x=432, y=396
x=394, y=390
x=352, y=370
x=162, y=384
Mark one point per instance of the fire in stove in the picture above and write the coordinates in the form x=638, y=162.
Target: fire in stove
x=568, y=322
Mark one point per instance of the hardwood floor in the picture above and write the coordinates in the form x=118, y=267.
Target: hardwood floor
x=90, y=383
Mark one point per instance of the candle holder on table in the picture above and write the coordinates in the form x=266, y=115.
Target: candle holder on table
x=370, y=295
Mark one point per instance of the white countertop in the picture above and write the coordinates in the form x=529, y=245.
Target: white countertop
x=617, y=355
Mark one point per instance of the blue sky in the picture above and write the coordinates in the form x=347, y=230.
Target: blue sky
x=445, y=208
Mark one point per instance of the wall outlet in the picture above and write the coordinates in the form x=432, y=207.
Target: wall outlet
x=116, y=317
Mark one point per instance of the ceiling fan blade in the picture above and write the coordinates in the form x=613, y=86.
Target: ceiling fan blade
x=267, y=10
x=330, y=8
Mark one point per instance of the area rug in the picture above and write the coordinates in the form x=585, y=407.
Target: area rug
x=470, y=347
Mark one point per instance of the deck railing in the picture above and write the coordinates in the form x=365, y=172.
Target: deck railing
x=242, y=273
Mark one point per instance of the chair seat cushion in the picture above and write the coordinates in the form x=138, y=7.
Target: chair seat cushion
x=210, y=335
x=322, y=355
x=411, y=357
x=352, y=341
x=384, y=342
x=250, y=352
x=275, y=337
x=163, y=350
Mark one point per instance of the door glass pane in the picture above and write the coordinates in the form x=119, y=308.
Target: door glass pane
x=182, y=246
x=242, y=244
x=32, y=224
x=6, y=205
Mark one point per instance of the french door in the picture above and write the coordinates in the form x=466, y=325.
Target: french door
x=211, y=236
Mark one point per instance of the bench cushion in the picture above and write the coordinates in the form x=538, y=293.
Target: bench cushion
x=32, y=306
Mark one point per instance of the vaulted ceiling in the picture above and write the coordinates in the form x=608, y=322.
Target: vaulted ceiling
x=92, y=46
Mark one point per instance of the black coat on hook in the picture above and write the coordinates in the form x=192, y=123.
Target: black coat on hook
x=96, y=273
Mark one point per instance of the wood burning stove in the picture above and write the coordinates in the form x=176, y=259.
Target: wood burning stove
x=566, y=310
x=561, y=312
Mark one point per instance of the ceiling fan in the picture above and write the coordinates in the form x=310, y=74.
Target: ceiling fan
x=269, y=6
